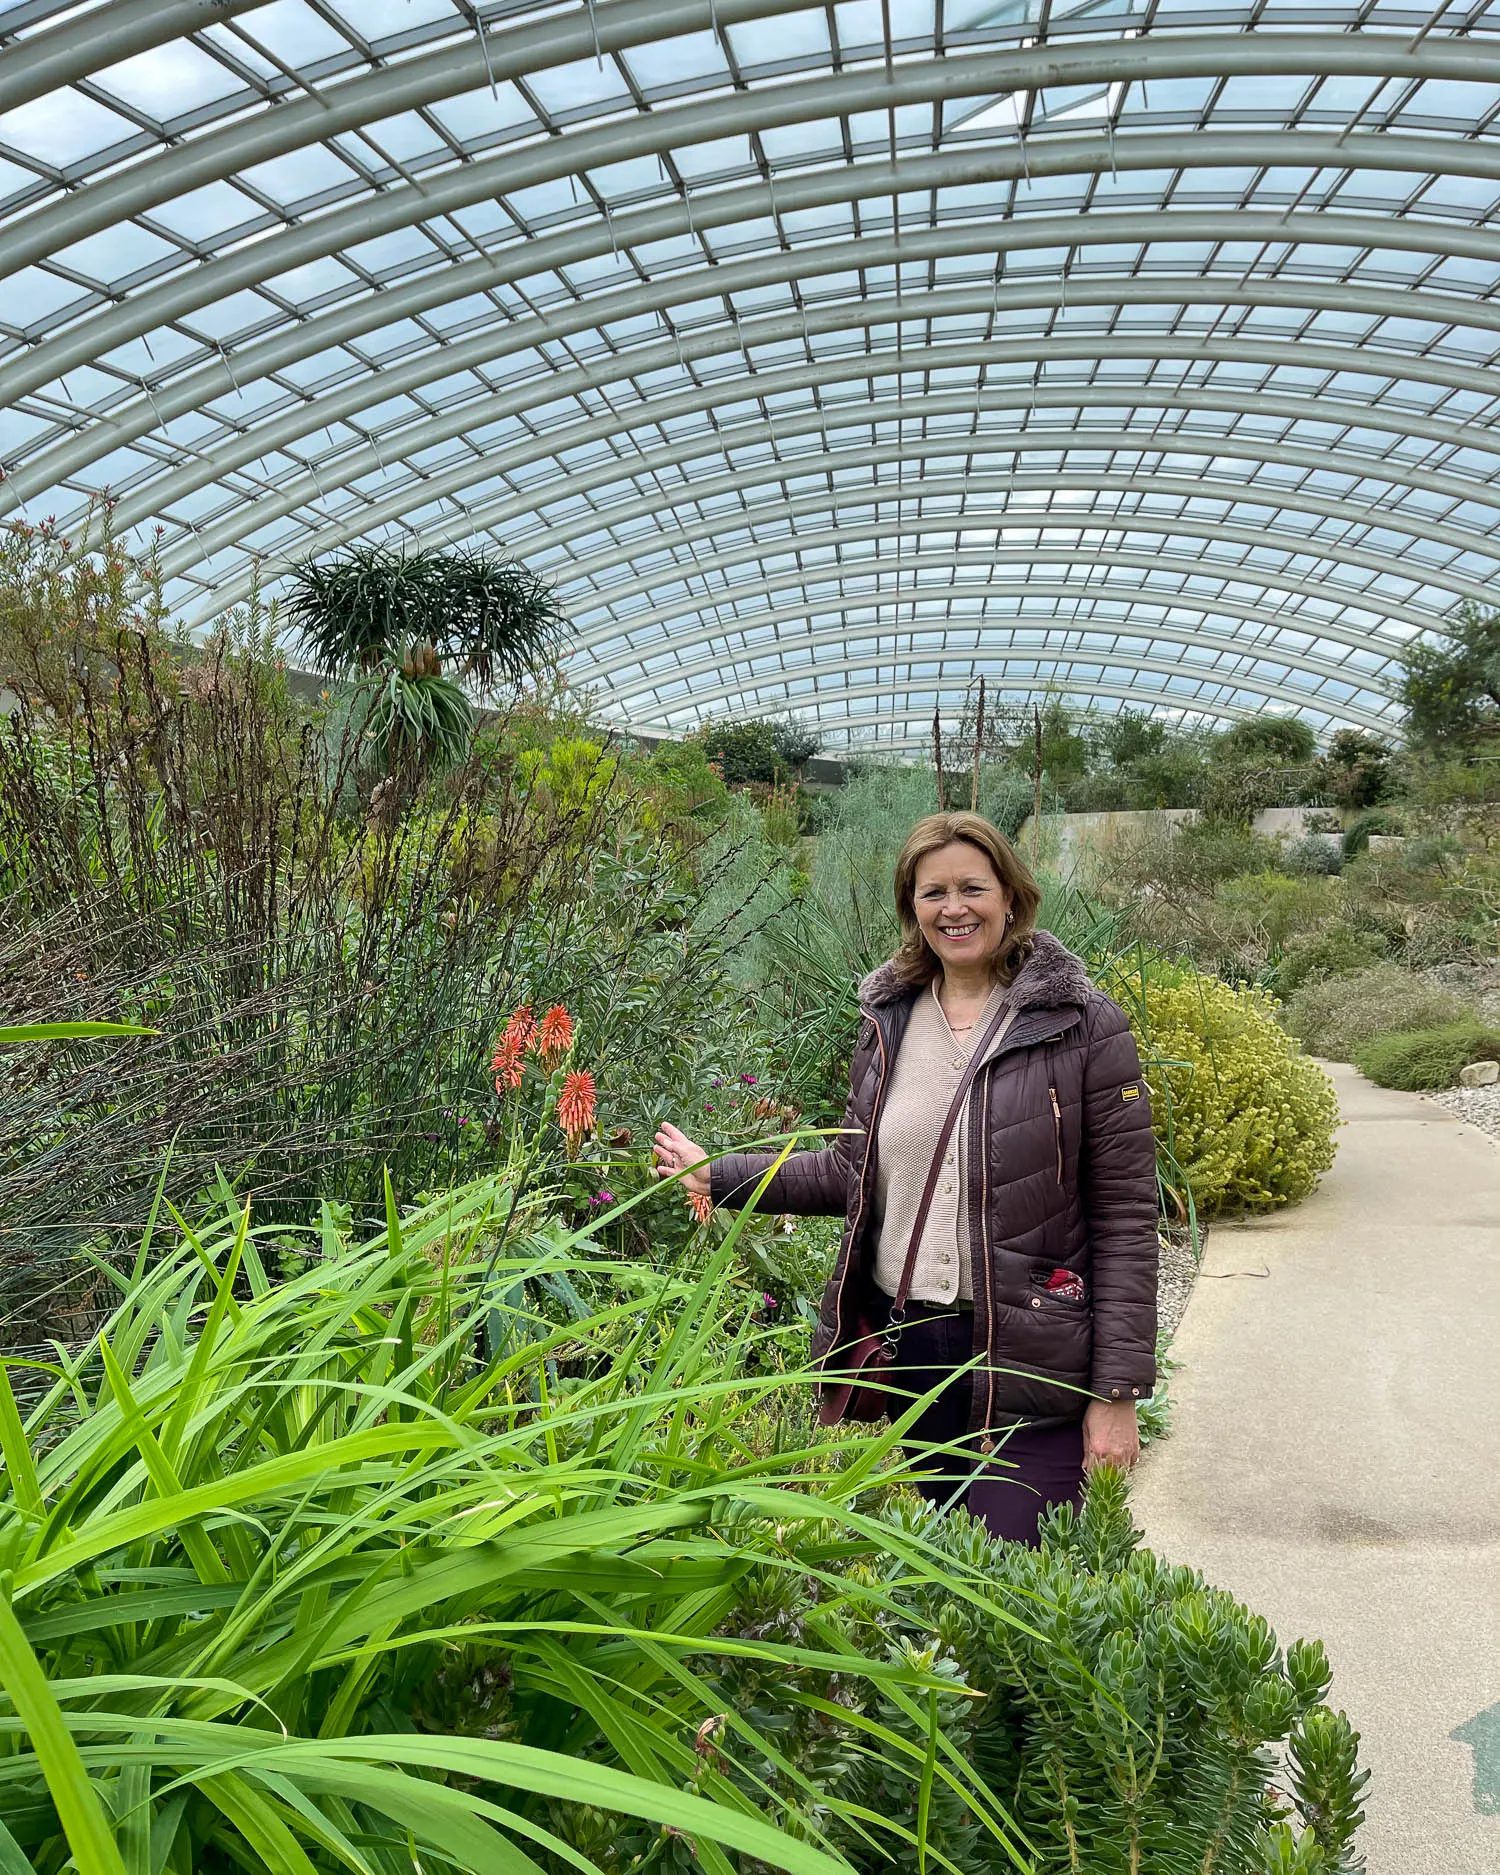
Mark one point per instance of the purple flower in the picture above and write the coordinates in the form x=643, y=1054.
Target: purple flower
x=602, y=1197
x=463, y=1121
x=749, y=1079
x=707, y=1108
x=717, y=1083
x=769, y=1300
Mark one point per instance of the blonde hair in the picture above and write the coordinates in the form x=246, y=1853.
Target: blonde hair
x=915, y=962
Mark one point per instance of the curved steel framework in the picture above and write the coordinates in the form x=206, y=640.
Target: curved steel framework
x=826, y=357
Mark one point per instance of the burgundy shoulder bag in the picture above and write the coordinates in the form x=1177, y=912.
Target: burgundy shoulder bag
x=857, y=1383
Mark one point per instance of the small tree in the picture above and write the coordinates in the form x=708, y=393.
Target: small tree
x=1451, y=686
x=759, y=749
x=1269, y=742
x=1357, y=770
x=1129, y=738
x=397, y=616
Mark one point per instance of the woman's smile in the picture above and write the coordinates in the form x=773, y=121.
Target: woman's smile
x=961, y=905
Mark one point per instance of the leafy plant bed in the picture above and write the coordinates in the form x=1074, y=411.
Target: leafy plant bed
x=1134, y=1715
x=484, y=1554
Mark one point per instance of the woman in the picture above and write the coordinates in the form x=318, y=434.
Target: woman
x=1031, y=1290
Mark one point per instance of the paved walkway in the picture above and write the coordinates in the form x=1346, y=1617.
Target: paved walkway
x=1335, y=1459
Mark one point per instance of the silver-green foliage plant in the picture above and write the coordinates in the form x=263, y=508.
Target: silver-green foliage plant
x=1335, y=1016
x=419, y=1559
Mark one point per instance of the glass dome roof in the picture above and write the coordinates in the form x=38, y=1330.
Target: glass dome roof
x=826, y=357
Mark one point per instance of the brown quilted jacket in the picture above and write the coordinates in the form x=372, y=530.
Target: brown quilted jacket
x=1061, y=1175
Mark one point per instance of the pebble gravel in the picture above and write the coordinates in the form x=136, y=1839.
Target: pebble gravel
x=1480, y=1106
x=1177, y=1272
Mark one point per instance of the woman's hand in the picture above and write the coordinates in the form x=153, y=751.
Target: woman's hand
x=674, y=1153
x=1110, y=1435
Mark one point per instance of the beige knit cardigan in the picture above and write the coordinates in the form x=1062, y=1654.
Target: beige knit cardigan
x=928, y=1068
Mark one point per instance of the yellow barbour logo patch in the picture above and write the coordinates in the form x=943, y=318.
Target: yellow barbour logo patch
x=1132, y=1092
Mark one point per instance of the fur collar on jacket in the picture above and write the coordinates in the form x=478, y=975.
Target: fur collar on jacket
x=1050, y=978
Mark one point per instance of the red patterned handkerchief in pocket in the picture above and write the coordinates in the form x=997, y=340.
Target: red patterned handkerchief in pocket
x=1066, y=1283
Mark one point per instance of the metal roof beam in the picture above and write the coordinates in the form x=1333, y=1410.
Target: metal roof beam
x=1105, y=521
x=656, y=133
x=1165, y=667
x=156, y=494
x=1140, y=559
x=174, y=397
x=87, y=42
x=298, y=123
x=727, y=635
x=246, y=517
x=232, y=588
x=559, y=39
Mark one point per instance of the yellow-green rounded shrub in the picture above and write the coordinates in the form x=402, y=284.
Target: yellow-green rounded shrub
x=1247, y=1117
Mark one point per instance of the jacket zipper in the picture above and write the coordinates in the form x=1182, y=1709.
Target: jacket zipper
x=838, y=1307
x=1057, y=1131
x=984, y=1238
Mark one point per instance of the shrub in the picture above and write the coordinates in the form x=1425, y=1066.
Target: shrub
x=1335, y=1016
x=759, y=749
x=1451, y=686
x=1251, y=1118
x=1176, y=862
x=1356, y=770
x=1418, y=1059
x=1357, y=833
x=1283, y=741
x=1111, y=1630
x=1332, y=950
x=1233, y=793
x=1313, y=853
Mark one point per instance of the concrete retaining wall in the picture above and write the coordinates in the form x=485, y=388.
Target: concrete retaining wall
x=1069, y=842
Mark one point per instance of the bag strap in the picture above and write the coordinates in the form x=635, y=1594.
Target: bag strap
x=994, y=1033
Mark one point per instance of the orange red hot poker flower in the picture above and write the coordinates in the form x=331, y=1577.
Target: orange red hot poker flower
x=555, y=1036
x=507, y=1068
x=516, y=1042
x=576, y=1105
x=520, y=1031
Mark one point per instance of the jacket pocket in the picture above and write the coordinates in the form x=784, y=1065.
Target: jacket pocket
x=1044, y=1297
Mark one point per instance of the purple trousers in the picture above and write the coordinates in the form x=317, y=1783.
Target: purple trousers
x=1032, y=1467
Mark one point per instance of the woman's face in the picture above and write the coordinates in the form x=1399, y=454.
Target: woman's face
x=961, y=905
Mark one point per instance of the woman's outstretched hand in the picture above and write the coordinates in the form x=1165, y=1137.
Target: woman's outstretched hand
x=1111, y=1435
x=675, y=1152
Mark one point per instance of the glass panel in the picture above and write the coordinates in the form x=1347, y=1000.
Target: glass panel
x=62, y=130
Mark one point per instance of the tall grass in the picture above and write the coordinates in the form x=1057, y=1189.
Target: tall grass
x=323, y=952
x=297, y=1578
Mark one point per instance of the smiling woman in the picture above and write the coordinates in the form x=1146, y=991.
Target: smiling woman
x=996, y=1172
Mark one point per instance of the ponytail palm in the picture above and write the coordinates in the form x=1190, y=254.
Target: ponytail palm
x=363, y=607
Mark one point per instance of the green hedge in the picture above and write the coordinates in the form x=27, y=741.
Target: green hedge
x=1420, y=1059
